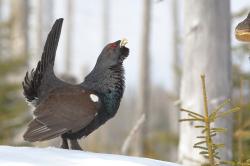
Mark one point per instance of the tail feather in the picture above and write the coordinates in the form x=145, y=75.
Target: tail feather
x=40, y=132
x=32, y=81
x=49, y=51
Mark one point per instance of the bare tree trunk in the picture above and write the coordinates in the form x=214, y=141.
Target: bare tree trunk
x=1, y=10
x=206, y=50
x=1, y=19
x=173, y=113
x=175, y=44
x=44, y=21
x=19, y=43
x=144, y=87
x=41, y=18
x=106, y=21
x=19, y=25
x=68, y=47
x=105, y=130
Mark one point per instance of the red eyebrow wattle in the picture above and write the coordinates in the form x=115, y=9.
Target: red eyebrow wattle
x=112, y=45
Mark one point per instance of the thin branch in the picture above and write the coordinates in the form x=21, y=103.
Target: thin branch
x=136, y=127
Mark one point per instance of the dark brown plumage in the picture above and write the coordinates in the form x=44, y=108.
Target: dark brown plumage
x=73, y=111
x=60, y=112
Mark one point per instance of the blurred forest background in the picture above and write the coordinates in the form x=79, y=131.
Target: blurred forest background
x=171, y=43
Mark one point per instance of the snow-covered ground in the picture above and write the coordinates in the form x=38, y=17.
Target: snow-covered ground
x=29, y=156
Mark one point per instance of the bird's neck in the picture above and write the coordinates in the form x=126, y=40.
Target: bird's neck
x=108, y=85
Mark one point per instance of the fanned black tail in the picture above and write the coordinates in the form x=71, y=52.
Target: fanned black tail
x=32, y=81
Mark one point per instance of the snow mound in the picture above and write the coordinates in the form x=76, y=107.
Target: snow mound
x=29, y=156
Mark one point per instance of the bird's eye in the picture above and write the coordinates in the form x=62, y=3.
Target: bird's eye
x=112, y=45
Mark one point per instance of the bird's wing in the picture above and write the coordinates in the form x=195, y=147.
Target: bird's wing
x=64, y=110
x=41, y=80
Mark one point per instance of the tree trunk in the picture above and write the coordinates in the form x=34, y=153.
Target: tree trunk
x=68, y=47
x=19, y=25
x=173, y=111
x=41, y=18
x=1, y=22
x=45, y=21
x=106, y=21
x=144, y=87
x=105, y=132
x=1, y=10
x=206, y=50
x=175, y=45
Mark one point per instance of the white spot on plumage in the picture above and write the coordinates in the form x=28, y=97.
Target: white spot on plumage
x=94, y=98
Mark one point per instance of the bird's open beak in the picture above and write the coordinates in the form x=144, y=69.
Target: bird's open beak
x=123, y=42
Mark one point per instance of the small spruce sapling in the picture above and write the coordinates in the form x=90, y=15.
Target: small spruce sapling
x=208, y=148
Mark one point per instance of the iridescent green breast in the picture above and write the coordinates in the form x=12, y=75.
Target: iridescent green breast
x=111, y=101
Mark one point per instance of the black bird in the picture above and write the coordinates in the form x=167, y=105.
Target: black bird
x=242, y=30
x=73, y=111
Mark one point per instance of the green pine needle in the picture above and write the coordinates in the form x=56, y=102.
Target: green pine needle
x=207, y=146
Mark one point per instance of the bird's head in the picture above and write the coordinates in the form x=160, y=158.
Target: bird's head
x=107, y=77
x=113, y=54
x=242, y=30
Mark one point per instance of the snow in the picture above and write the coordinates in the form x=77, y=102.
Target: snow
x=30, y=156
